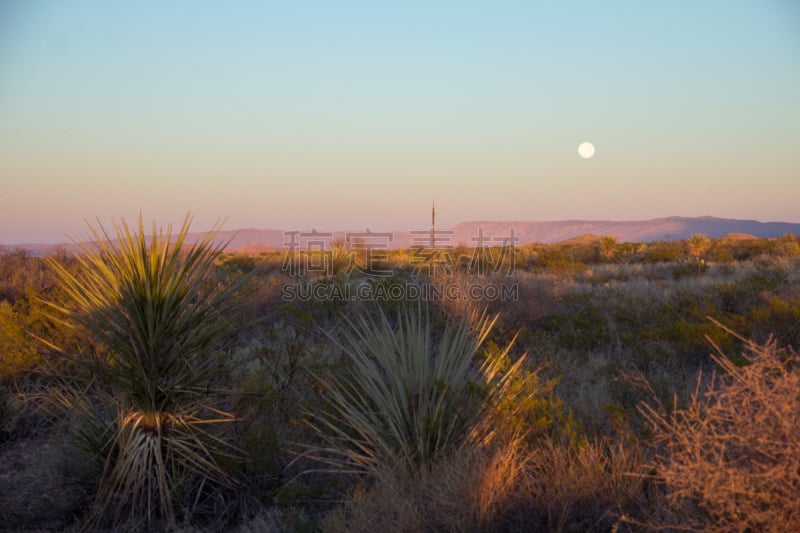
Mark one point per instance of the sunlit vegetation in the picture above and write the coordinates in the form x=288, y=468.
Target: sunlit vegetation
x=731, y=457
x=406, y=398
x=148, y=398
x=157, y=384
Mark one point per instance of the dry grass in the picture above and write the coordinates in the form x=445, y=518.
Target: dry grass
x=455, y=302
x=731, y=459
x=589, y=487
x=470, y=490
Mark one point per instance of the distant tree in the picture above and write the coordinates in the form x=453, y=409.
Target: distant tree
x=788, y=245
x=608, y=246
x=697, y=245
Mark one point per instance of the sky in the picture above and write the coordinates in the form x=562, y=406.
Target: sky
x=350, y=115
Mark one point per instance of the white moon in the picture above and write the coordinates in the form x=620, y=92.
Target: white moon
x=586, y=150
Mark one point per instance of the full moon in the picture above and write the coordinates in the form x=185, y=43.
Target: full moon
x=586, y=150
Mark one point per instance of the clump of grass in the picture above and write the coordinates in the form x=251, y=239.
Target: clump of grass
x=730, y=460
x=592, y=485
x=405, y=396
x=473, y=490
x=589, y=486
x=150, y=410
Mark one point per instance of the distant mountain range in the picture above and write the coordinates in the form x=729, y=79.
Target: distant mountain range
x=493, y=232
x=658, y=229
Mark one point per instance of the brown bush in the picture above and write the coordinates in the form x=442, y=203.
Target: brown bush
x=730, y=460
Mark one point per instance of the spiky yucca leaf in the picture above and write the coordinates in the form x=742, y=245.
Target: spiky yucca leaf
x=159, y=316
x=405, y=396
x=152, y=307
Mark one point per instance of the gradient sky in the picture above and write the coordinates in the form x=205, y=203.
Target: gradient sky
x=336, y=115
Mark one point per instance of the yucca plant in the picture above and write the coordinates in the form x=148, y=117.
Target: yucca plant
x=159, y=318
x=405, y=396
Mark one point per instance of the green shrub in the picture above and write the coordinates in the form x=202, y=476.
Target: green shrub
x=781, y=315
x=528, y=409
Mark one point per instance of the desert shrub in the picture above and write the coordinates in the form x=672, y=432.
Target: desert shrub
x=589, y=486
x=662, y=251
x=239, y=262
x=146, y=403
x=21, y=377
x=585, y=329
x=730, y=460
x=779, y=313
x=751, y=249
x=533, y=303
x=527, y=257
x=405, y=395
x=23, y=317
x=474, y=489
x=738, y=297
x=273, y=373
x=528, y=409
x=462, y=295
x=18, y=271
x=17, y=349
x=788, y=246
x=561, y=263
x=691, y=266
